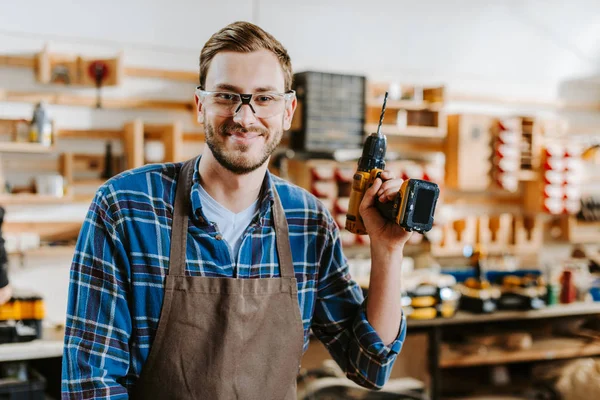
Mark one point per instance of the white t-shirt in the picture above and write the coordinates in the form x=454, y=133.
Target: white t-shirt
x=231, y=225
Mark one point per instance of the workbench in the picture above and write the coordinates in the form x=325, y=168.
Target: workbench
x=44, y=355
x=544, y=350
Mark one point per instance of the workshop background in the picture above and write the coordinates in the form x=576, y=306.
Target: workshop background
x=496, y=102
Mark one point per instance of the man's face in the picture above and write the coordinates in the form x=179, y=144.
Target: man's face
x=244, y=142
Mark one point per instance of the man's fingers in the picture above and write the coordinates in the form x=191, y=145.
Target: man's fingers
x=370, y=195
x=393, y=184
x=387, y=175
x=389, y=194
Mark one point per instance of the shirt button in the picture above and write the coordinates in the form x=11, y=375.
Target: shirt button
x=219, y=237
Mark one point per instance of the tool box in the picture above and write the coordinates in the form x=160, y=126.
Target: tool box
x=21, y=318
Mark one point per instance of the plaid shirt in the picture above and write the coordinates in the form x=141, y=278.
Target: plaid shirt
x=122, y=256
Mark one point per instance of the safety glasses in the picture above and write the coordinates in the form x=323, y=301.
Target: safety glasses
x=227, y=104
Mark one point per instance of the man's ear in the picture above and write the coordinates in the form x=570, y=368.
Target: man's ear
x=289, y=114
x=199, y=110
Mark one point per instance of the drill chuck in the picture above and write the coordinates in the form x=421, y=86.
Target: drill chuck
x=373, y=154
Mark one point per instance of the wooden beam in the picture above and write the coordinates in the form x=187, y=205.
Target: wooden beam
x=134, y=143
x=66, y=163
x=172, y=141
x=83, y=101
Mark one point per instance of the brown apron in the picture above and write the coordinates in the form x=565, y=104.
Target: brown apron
x=224, y=338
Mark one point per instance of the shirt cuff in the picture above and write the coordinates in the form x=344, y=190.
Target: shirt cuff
x=369, y=340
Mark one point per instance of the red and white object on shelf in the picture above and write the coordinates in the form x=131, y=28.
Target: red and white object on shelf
x=506, y=160
x=324, y=172
x=562, y=175
x=345, y=174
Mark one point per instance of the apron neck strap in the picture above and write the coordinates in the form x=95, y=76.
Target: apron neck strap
x=282, y=238
x=179, y=228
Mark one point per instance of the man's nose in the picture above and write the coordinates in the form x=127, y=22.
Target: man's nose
x=245, y=116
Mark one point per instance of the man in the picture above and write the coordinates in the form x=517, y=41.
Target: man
x=5, y=287
x=202, y=280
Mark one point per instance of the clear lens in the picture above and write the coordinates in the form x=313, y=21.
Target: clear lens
x=226, y=104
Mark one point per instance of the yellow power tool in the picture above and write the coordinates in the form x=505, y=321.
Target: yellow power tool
x=412, y=208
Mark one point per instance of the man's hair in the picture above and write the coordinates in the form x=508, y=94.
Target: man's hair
x=244, y=37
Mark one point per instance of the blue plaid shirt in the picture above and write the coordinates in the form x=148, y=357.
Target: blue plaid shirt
x=122, y=257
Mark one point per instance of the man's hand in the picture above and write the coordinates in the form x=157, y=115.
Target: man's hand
x=5, y=294
x=382, y=233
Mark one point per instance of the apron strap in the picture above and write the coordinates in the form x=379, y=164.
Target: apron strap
x=282, y=237
x=179, y=227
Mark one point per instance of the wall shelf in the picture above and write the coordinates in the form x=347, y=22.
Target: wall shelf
x=90, y=101
x=422, y=132
x=32, y=198
x=24, y=147
x=541, y=349
x=405, y=105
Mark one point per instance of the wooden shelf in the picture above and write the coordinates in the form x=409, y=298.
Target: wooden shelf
x=541, y=349
x=90, y=133
x=182, y=76
x=89, y=101
x=89, y=182
x=24, y=147
x=421, y=132
x=405, y=105
x=466, y=318
x=48, y=251
x=140, y=72
x=30, y=198
x=523, y=102
x=576, y=231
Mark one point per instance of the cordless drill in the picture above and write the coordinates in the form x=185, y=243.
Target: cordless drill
x=413, y=206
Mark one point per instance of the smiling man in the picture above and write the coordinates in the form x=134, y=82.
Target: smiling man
x=203, y=279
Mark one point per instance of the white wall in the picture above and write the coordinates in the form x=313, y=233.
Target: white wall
x=532, y=49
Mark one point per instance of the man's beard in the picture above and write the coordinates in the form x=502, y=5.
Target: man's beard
x=232, y=162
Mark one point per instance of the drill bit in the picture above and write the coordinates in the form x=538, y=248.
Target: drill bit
x=382, y=113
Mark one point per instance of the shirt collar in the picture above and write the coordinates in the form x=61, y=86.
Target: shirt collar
x=266, y=196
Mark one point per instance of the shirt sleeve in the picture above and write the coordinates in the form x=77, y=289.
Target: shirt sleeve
x=340, y=322
x=98, y=325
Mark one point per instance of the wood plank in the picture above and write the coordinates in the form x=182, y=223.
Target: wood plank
x=173, y=143
x=491, y=196
x=24, y=147
x=48, y=231
x=89, y=182
x=141, y=72
x=66, y=163
x=18, y=61
x=86, y=101
x=32, y=198
x=134, y=143
x=193, y=137
x=48, y=251
x=511, y=101
x=104, y=134
x=425, y=132
x=541, y=349
x=404, y=105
